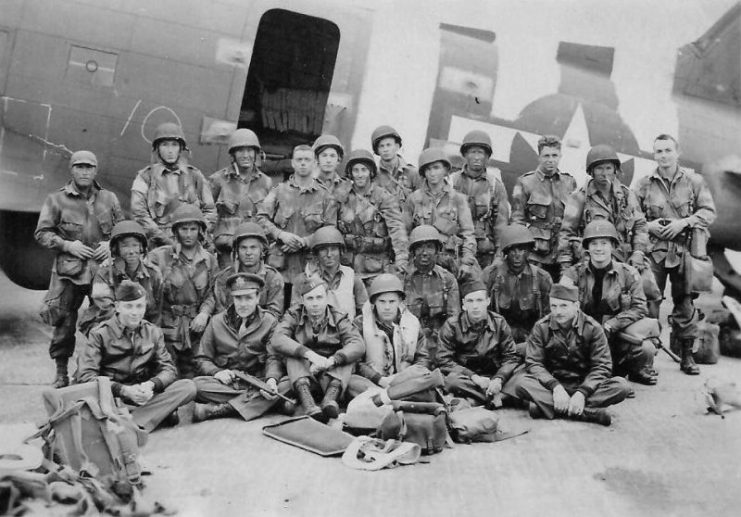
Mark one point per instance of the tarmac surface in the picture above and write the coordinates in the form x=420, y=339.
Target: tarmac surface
x=663, y=455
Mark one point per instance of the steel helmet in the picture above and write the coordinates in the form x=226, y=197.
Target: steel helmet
x=327, y=236
x=385, y=283
x=599, y=228
x=432, y=155
x=188, y=214
x=244, y=137
x=602, y=153
x=169, y=131
x=382, y=132
x=515, y=235
x=250, y=229
x=127, y=229
x=424, y=233
x=83, y=157
x=476, y=138
x=361, y=156
x=325, y=141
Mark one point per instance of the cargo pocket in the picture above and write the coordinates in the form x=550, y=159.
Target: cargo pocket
x=283, y=215
x=276, y=257
x=69, y=265
x=542, y=237
x=537, y=206
x=312, y=216
x=372, y=264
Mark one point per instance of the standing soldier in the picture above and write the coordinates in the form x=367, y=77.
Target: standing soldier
x=160, y=188
x=437, y=204
x=487, y=198
x=75, y=222
x=292, y=212
x=188, y=274
x=538, y=202
x=394, y=174
x=431, y=291
x=237, y=190
x=250, y=246
x=371, y=221
x=679, y=209
x=329, y=153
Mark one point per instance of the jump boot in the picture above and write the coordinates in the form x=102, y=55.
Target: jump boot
x=203, y=412
x=330, y=407
x=595, y=416
x=62, y=379
x=687, y=365
x=301, y=387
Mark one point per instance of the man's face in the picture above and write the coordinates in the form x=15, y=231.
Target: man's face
x=245, y=157
x=604, y=173
x=425, y=254
x=246, y=302
x=517, y=256
x=315, y=301
x=303, y=163
x=83, y=175
x=476, y=304
x=600, y=251
x=476, y=158
x=388, y=148
x=249, y=252
x=361, y=175
x=387, y=306
x=563, y=311
x=328, y=256
x=130, y=249
x=549, y=159
x=131, y=313
x=169, y=151
x=435, y=173
x=328, y=160
x=666, y=154
x=187, y=234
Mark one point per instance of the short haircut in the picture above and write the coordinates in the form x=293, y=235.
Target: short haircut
x=665, y=136
x=302, y=147
x=549, y=141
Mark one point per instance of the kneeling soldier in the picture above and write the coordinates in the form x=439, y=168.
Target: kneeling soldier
x=131, y=351
x=569, y=364
x=237, y=340
x=319, y=343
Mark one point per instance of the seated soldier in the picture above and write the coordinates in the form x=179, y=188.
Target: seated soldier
x=611, y=292
x=477, y=352
x=131, y=351
x=393, y=338
x=319, y=344
x=569, y=364
x=237, y=340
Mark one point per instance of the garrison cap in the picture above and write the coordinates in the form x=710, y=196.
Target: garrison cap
x=565, y=292
x=309, y=283
x=83, y=158
x=240, y=283
x=128, y=291
x=471, y=287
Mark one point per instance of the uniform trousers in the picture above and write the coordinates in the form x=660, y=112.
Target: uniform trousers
x=150, y=414
x=244, y=398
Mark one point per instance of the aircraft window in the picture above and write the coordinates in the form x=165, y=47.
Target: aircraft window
x=288, y=82
x=91, y=66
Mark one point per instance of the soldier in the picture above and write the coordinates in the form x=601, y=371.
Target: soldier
x=437, y=204
x=292, y=212
x=538, y=202
x=188, y=274
x=370, y=219
x=237, y=190
x=160, y=188
x=518, y=289
x=320, y=346
x=131, y=351
x=431, y=292
x=329, y=153
x=679, y=208
x=237, y=340
x=250, y=246
x=76, y=223
x=345, y=290
x=128, y=261
x=394, y=340
x=477, y=353
x=611, y=293
x=568, y=365
x=394, y=174
x=487, y=198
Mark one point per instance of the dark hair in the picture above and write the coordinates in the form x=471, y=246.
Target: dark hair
x=548, y=141
x=302, y=147
x=665, y=136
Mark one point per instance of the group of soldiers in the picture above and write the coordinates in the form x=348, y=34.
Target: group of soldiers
x=360, y=267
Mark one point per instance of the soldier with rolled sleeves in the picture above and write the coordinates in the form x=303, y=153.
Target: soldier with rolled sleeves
x=679, y=209
x=292, y=212
x=237, y=340
x=569, y=365
x=487, y=198
x=394, y=174
x=132, y=353
x=159, y=189
x=431, y=291
x=320, y=346
x=370, y=219
x=518, y=289
x=477, y=353
x=329, y=154
x=237, y=190
x=76, y=222
x=538, y=202
x=250, y=246
x=345, y=290
x=436, y=203
x=188, y=275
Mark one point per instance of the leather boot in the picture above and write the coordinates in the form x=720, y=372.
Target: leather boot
x=534, y=411
x=286, y=408
x=687, y=365
x=330, y=407
x=643, y=376
x=595, y=416
x=61, y=380
x=307, y=400
x=203, y=412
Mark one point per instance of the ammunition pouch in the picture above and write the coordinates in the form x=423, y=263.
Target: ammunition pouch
x=69, y=266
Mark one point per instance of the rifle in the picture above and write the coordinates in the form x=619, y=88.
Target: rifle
x=257, y=383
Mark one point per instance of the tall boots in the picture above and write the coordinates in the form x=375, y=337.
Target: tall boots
x=203, y=412
x=330, y=407
x=61, y=379
x=303, y=391
x=687, y=365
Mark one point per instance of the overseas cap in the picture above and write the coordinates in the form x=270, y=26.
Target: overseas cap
x=240, y=283
x=128, y=291
x=563, y=292
x=308, y=283
x=83, y=157
x=471, y=287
